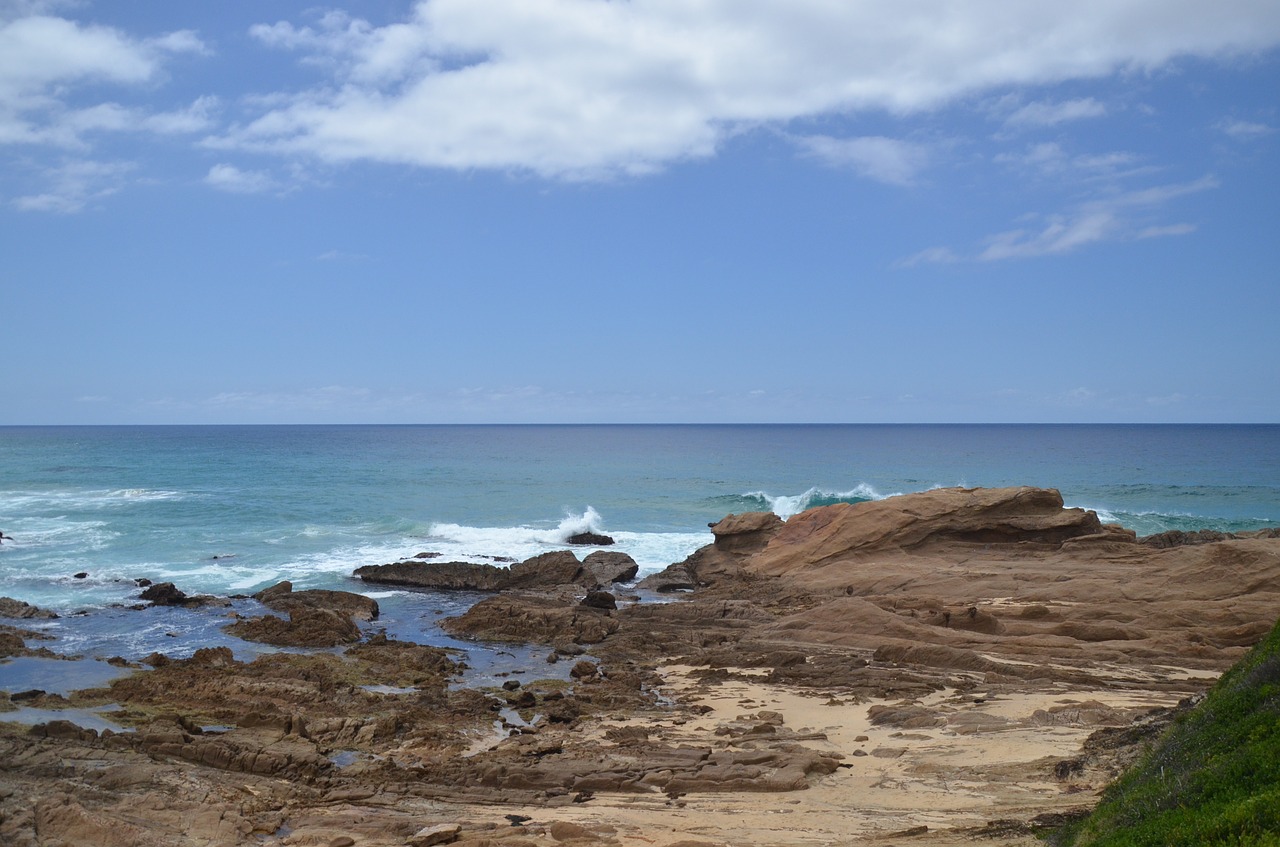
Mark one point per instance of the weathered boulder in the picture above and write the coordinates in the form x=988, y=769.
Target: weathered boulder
x=607, y=567
x=600, y=600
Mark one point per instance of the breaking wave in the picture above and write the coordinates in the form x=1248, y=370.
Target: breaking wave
x=786, y=505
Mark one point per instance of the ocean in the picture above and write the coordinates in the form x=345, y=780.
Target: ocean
x=233, y=509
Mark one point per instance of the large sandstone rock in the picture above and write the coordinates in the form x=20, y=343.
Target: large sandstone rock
x=737, y=537
x=932, y=521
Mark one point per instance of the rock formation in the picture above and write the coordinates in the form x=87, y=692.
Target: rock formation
x=929, y=667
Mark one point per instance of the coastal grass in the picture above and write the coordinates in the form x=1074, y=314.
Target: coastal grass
x=1212, y=779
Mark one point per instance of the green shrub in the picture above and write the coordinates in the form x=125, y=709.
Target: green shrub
x=1212, y=779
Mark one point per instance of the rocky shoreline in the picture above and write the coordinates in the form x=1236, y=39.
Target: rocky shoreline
x=933, y=668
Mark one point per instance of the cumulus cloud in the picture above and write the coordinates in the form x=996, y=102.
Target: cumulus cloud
x=586, y=88
x=45, y=61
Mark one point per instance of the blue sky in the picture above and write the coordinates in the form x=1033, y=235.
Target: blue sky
x=655, y=210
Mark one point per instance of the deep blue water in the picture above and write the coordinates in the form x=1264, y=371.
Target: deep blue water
x=234, y=509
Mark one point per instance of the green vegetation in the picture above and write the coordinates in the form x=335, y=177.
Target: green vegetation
x=1212, y=779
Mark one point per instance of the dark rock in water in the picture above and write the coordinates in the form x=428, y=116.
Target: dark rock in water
x=168, y=594
x=282, y=598
x=82, y=575
x=10, y=608
x=440, y=576
x=599, y=600
x=165, y=594
x=590, y=539
x=550, y=570
x=142, y=582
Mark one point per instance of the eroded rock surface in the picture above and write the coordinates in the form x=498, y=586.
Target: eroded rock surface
x=932, y=667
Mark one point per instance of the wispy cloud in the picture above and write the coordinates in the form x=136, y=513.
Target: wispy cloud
x=1118, y=216
x=1246, y=130
x=75, y=184
x=1045, y=113
x=887, y=160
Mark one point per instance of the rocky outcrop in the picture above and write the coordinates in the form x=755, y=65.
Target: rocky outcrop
x=552, y=570
x=737, y=538
x=168, y=594
x=589, y=539
x=435, y=576
x=282, y=598
x=10, y=608
x=305, y=627
x=540, y=621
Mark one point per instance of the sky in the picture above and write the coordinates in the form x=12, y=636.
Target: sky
x=612, y=211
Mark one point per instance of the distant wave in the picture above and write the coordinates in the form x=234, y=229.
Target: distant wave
x=1152, y=523
x=786, y=505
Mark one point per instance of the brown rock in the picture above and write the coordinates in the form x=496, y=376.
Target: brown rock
x=282, y=598
x=526, y=620
x=606, y=567
x=10, y=608
x=428, y=836
x=593, y=539
x=441, y=576
x=305, y=627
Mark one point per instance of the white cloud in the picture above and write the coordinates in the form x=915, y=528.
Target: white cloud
x=1113, y=216
x=1051, y=160
x=225, y=177
x=1052, y=114
x=73, y=185
x=44, y=60
x=875, y=157
x=1246, y=130
x=585, y=88
x=1109, y=218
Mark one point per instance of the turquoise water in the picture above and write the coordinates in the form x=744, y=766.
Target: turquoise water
x=233, y=509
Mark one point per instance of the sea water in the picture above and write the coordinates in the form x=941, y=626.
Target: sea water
x=229, y=510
